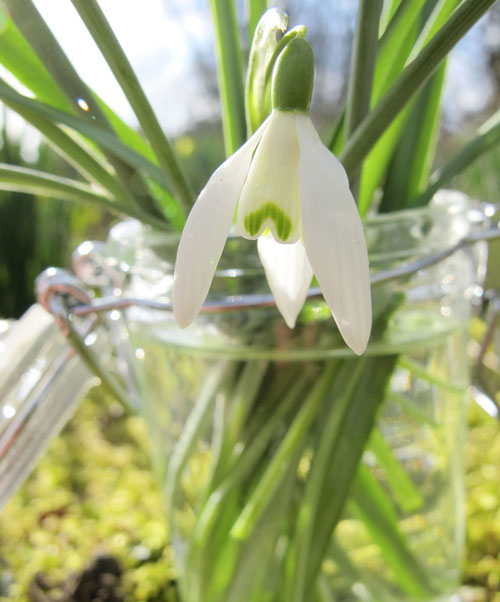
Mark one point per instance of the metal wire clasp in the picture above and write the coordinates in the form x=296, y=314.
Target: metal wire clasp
x=60, y=292
x=93, y=269
x=66, y=297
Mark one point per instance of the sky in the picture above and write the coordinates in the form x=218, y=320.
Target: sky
x=166, y=39
x=160, y=40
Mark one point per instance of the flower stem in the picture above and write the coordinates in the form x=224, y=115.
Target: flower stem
x=369, y=502
x=92, y=360
x=216, y=517
x=230, y=73
x=242, y=468
x=303, y=541
x=402, y=487
x=193, y=427
x=345, y=454
x=286, y=453
x=417, y=369
x=233, y=415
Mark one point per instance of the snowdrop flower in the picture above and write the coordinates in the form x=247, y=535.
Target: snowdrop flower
x=291, y=194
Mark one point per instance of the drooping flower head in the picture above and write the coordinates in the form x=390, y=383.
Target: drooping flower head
x=291, y=194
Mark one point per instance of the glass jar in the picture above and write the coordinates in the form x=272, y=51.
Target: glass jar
x=294, y=471
x=42, y=381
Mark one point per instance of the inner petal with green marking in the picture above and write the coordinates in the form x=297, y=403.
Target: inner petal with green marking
x=282, y=223
x=270, y=197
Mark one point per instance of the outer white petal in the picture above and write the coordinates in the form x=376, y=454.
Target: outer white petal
x=334, y=238
x=206, y=230
x=289, y=274
x=270, y=197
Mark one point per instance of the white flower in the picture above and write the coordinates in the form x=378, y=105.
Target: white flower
x=292, y=194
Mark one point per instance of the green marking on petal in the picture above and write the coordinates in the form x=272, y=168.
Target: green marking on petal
x=253, y=221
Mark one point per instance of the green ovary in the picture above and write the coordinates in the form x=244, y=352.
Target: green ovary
x=253, y=221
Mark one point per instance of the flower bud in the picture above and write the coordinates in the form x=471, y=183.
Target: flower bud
x=293, y=77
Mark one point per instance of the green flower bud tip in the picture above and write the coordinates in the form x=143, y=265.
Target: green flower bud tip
x=293, y=77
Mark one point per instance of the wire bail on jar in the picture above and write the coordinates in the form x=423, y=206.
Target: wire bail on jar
x=64, y=295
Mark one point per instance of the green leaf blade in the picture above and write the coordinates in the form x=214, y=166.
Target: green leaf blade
x=110, y=48
x=412, y=78
x=362, y=69
x=230, y=73
x=23, y=179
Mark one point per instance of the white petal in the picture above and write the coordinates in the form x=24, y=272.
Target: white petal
x=334, y=238
x=206, y=230
x=270, y=197
x=288, y=273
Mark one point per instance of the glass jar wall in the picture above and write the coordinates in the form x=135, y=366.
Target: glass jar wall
x=293, y=470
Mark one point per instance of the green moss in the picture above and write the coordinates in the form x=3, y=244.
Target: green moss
x=93, y=492
x=482, y=563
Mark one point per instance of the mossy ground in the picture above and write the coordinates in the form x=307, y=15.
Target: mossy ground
x=94, y=492
x=482, y=562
